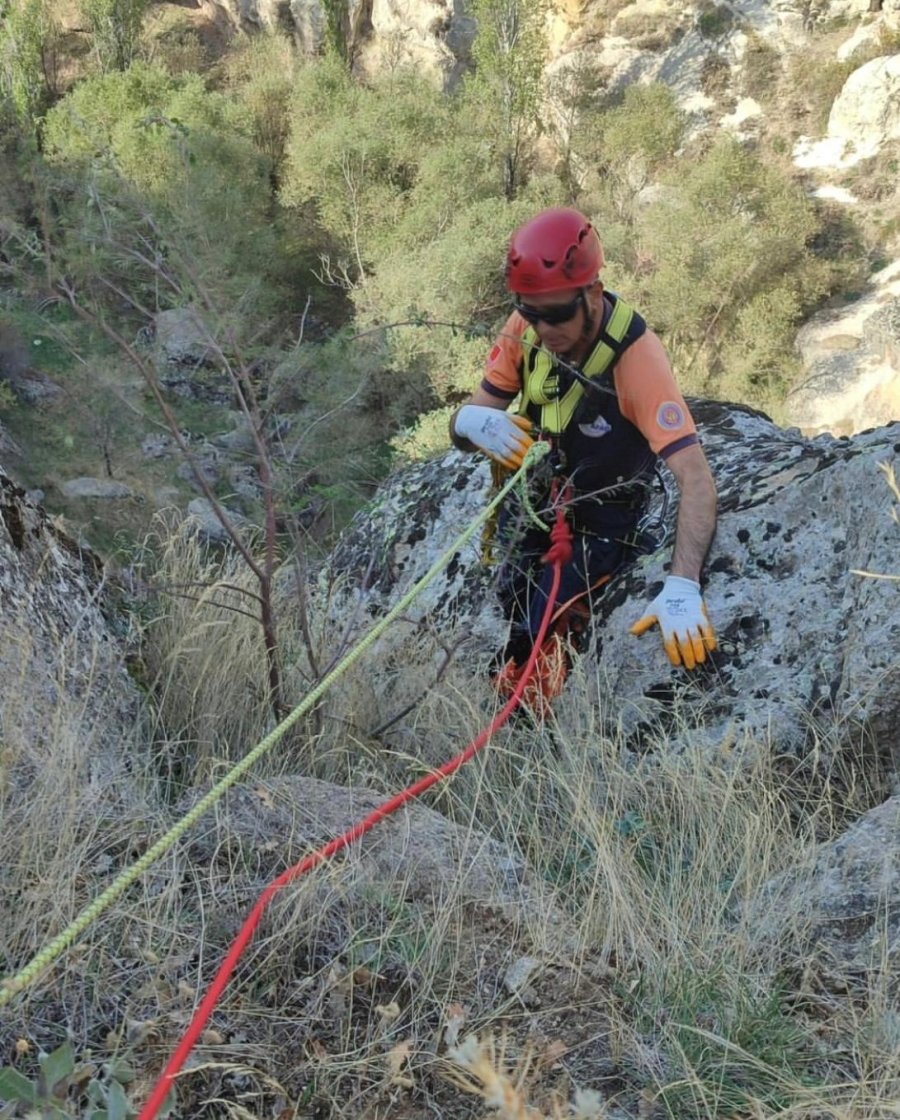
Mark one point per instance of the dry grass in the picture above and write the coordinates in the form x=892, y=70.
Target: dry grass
x=650, y=994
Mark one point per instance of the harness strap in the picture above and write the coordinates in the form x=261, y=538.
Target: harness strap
x=541, y=383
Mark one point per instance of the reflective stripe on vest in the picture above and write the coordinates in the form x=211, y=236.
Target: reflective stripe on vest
x=540, y=377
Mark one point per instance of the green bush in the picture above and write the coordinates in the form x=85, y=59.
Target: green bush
x=647, y=125
x=150, y=149
x=115, y=27
x=355, y=154
x=509, y=53
x=260, y=75
x=29, y=38
x=455, y=278
x=714, y=20
x=762, y=70
x=728, y=267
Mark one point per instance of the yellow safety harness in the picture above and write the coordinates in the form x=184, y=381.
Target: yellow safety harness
x=540, y=377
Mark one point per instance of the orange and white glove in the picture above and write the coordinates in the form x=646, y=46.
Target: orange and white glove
x=502, y=436
x=679, y=609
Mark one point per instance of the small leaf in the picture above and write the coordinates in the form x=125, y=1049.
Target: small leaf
x=398, y=1057
x=96, y=1092
x=57, y=1068
x=116, y=1102
x=118, y=1069
x=15, y=1087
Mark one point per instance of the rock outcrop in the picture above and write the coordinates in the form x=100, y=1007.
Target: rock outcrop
x=851, y=356
x=809, y=654
x=416, y=856
x=844, y=905
x=61, y=662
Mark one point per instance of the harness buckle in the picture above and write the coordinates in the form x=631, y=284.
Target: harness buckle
x=557, y=459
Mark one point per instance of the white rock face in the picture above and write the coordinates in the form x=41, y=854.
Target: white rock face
x=864, y=117
x=852, y=362
x=747, y=114
x=433, y=34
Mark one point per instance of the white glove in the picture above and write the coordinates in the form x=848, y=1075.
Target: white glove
x=686, y=630
x=503, y=436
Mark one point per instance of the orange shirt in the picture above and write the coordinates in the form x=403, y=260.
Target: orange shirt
x=643, y=379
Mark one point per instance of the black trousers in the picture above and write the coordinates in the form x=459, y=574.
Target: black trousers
x=525, y=581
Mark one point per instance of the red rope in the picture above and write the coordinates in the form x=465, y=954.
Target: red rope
x=206, y=1008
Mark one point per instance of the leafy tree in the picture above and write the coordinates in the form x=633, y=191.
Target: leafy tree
x=143, y=140
x=455, y=280
x=115, y=27
x=260, y=74
x=355, y=155
x=509, y=52
x=724, y=264
x=29, y=38
x=626, y=147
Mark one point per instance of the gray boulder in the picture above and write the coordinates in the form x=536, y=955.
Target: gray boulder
x=105, y=489
x=809, y=647
x=414, y=856
x=62, y=667
x=843, y=906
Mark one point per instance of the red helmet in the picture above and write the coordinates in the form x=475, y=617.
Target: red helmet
x=557, y=249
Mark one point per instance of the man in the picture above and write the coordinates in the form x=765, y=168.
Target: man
x=597, y=382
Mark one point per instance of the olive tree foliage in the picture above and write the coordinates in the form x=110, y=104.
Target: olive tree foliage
x=29, y=56
x=355, y=155
x=260, y=74
x=406, y=182
x=723, y=261
x=715, y=244
x=509, y=52
x=182, y=153
x=621, y=149
x=115, y=27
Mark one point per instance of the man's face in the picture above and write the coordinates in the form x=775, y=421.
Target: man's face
x=566, y=314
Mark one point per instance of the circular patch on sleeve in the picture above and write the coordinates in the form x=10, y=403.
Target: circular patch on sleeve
x=670, y=416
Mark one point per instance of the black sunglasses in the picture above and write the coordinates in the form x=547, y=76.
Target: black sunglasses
x=550, y=315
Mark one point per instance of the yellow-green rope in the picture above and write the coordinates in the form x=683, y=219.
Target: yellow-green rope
x=26, y=976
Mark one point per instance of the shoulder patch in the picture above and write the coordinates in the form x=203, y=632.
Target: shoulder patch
x=670, y=416
x=495, y=353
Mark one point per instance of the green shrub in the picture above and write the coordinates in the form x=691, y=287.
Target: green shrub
x=148, y=147
x=814, y=88
x=728, y=266
x=260, y=75
x=762, y=69
x=509, y=53
x=728, y=1045
x=356, y=153
x=647, y=127
x=29, y=44
x=714, y=20
x=115, y=27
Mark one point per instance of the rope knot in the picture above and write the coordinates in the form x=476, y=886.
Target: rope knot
x=560, y=550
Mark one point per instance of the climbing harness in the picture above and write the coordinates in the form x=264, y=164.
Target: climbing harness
x=557, y=388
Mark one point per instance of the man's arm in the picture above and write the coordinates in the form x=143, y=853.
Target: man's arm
x=687, y=633
x=696, y=524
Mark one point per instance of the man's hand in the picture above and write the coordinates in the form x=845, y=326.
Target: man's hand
x=504, y=437
x=687, y=633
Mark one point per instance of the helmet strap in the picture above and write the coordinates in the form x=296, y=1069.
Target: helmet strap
x=588, y=331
